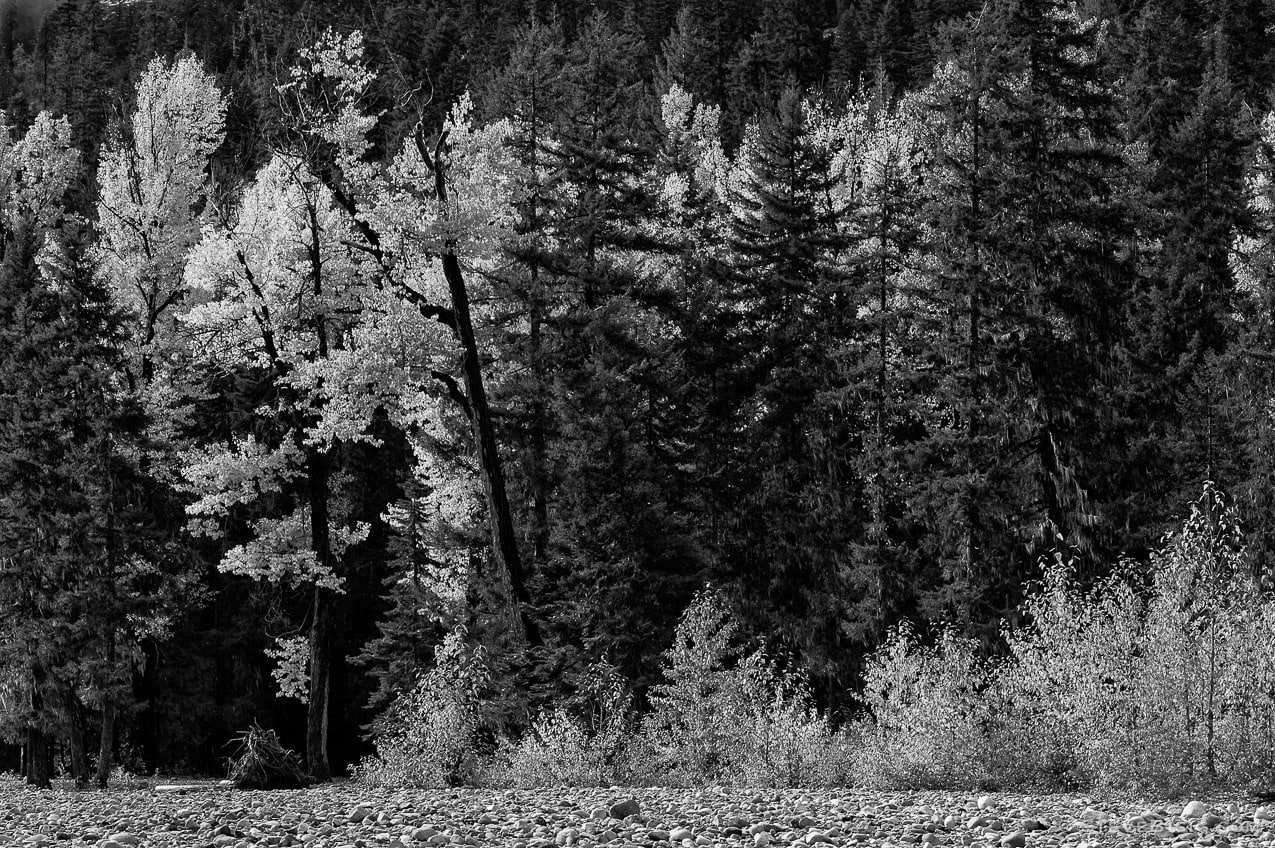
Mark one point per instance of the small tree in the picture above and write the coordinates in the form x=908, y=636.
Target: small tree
x=427, y=737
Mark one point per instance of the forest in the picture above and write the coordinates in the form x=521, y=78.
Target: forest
x=564, y=356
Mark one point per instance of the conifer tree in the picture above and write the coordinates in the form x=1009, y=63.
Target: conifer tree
x=791, y=307
x=1025, y=230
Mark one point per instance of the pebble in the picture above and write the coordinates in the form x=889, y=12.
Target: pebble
x=344, y=814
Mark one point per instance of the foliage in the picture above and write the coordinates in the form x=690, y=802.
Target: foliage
x=427, y=736
x=1153, y=686
x=927, y=713
x=720, y=719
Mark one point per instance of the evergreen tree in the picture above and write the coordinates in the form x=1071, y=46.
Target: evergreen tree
x=791, y=481
x=1026, y=229
x=1181, y=313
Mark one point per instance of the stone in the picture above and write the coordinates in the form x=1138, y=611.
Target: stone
x=677, y=834
x=761, y=839
x=657, y=835
x=124, y=838
x=814, y=837
x=359, y=813
x=422, y=834
x=1017, y=839
x=598, y=813
x=623, y=809
x=177, y=788
x=1194, y=810
x=984, y=802
x=567, y=836
x=606, y=836
x=803, y=822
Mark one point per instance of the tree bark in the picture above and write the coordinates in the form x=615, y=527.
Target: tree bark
x=504, y=542
x=316, y=729
x=104, y=751
x=75, y=741
x=39, y=758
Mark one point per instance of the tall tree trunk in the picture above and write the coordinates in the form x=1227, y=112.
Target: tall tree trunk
x=104, y=750
x=316, y=730
x=74, y=729
x=504, y=542
x=539, y=442
x=39, y=758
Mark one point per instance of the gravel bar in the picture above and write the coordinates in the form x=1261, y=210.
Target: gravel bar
x=344, y=815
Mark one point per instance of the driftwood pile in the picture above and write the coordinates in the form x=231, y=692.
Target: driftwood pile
x=263, y=763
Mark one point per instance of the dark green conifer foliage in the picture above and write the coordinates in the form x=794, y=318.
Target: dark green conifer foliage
x=1182, y=311
x=86, y=577
x=788, y=466
x=1027, y=229
x=686, y=58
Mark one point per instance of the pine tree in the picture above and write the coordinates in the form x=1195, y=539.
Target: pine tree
x=1026, y=233
x=1181, y=313
x=789, y=466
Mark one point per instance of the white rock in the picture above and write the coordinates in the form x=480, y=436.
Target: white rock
x=984, y=802
x=1194, y=809
x=761, y=839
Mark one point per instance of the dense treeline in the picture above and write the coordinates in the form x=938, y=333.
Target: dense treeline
x=328, y=330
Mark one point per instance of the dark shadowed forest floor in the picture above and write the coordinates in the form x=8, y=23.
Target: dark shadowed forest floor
x=345, y=815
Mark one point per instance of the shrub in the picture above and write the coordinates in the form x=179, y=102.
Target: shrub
x=696, y=713
x=561, y=749
x=720, y=719
x=1152, y=682
x=1059, y=701
x=427, y=737
x=928, y=714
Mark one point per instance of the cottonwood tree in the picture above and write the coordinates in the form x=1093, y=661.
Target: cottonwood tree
x=417, y=222
x=277, y=297
x=153, y=188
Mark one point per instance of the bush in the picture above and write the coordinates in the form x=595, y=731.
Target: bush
x=927, y=714
x=1148, y=684
x=718, y=719
x=560, y=749
x=427, y=737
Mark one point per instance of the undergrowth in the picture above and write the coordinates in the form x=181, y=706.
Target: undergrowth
x=1158, y=678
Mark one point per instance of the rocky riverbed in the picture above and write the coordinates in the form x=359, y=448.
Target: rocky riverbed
x=344, y=815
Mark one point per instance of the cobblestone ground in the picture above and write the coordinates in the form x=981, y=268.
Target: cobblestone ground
x=344, y=815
